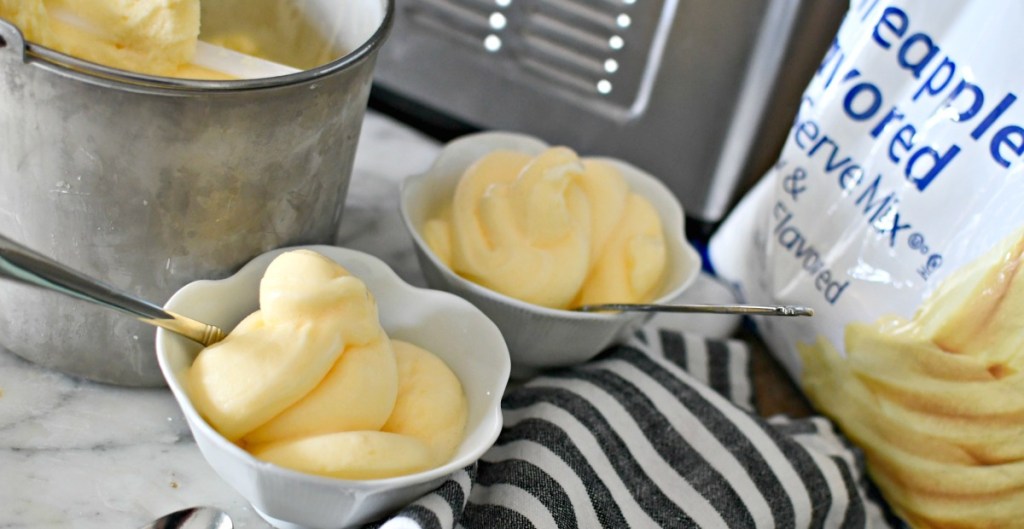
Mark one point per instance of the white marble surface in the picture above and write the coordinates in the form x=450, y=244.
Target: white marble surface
x=83, y=455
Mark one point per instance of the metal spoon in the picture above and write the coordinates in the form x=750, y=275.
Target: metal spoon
x=771, y=310
x=27, y=266
x=192, y=518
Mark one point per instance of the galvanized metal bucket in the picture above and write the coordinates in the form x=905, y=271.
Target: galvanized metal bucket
x=148, y=183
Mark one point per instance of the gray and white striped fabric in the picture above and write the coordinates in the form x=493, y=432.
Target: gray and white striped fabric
x=659, y=432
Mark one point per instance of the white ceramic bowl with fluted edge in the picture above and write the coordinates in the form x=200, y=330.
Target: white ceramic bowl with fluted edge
x=539, y=337
x=444, y=324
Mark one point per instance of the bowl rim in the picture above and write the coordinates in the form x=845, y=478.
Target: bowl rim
x=674, y=225
x=491, y=416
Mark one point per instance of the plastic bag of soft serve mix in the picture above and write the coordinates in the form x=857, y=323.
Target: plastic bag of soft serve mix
x=896, y=211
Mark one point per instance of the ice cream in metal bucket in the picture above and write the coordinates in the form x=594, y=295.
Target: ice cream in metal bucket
x=148, y=183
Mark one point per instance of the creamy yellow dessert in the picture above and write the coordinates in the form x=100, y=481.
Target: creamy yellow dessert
x=29, y=16
x=431, y=406
x=553, y=230
x=312, y=382
x=423, y=430
x=147, y=36
x=937, y=401
x=160, y=37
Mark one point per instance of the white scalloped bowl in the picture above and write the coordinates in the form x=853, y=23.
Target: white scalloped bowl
x=444, y=324
x=539, y=337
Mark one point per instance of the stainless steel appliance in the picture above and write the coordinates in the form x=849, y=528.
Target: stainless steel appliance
x=697, y=92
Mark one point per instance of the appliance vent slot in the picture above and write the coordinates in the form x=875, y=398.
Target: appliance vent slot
x=593, y=18
x=563, y=50
x=552, y=73
x=546, y=51
x=463, y=20
x=544, y=27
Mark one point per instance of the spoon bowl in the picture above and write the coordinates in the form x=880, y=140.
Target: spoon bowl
x=193, y=518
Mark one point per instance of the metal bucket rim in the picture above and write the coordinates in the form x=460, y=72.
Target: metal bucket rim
x=97, y=74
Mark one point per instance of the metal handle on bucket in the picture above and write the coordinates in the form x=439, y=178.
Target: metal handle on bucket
x=11, y=40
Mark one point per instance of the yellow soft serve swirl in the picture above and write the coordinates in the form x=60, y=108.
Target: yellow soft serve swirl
x=312, y=382
x=153, y=36
x=552, y=229
x=311, y=312
x=937, y=401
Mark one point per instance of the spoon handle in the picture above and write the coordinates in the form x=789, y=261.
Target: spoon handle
x=26, y=266
x=708, y=309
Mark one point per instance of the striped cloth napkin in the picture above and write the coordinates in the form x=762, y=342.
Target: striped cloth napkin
x=658, y=432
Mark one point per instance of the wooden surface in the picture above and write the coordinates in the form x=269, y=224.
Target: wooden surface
x=774, y=391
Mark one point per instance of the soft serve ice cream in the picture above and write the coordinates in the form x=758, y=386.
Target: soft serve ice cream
x=154, y=36
x=937, y=401
x=552, y=229
x=423, y=430
x=29, y=16
x=312, y=382
x=147, y=36
x=161, y=37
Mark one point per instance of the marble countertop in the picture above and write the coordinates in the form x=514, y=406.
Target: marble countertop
x=74, y=453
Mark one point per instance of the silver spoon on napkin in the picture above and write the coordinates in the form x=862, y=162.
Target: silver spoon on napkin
x=27, y=266
x=759, y=310
x=192, y=518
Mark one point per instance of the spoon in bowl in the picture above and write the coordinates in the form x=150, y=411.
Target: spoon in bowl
x=192, y=518
x=32, y=268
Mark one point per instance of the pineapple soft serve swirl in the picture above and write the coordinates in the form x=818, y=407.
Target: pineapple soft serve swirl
x=312, y=382
x=148, y=36
x=936, y=401
x=553, y=230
